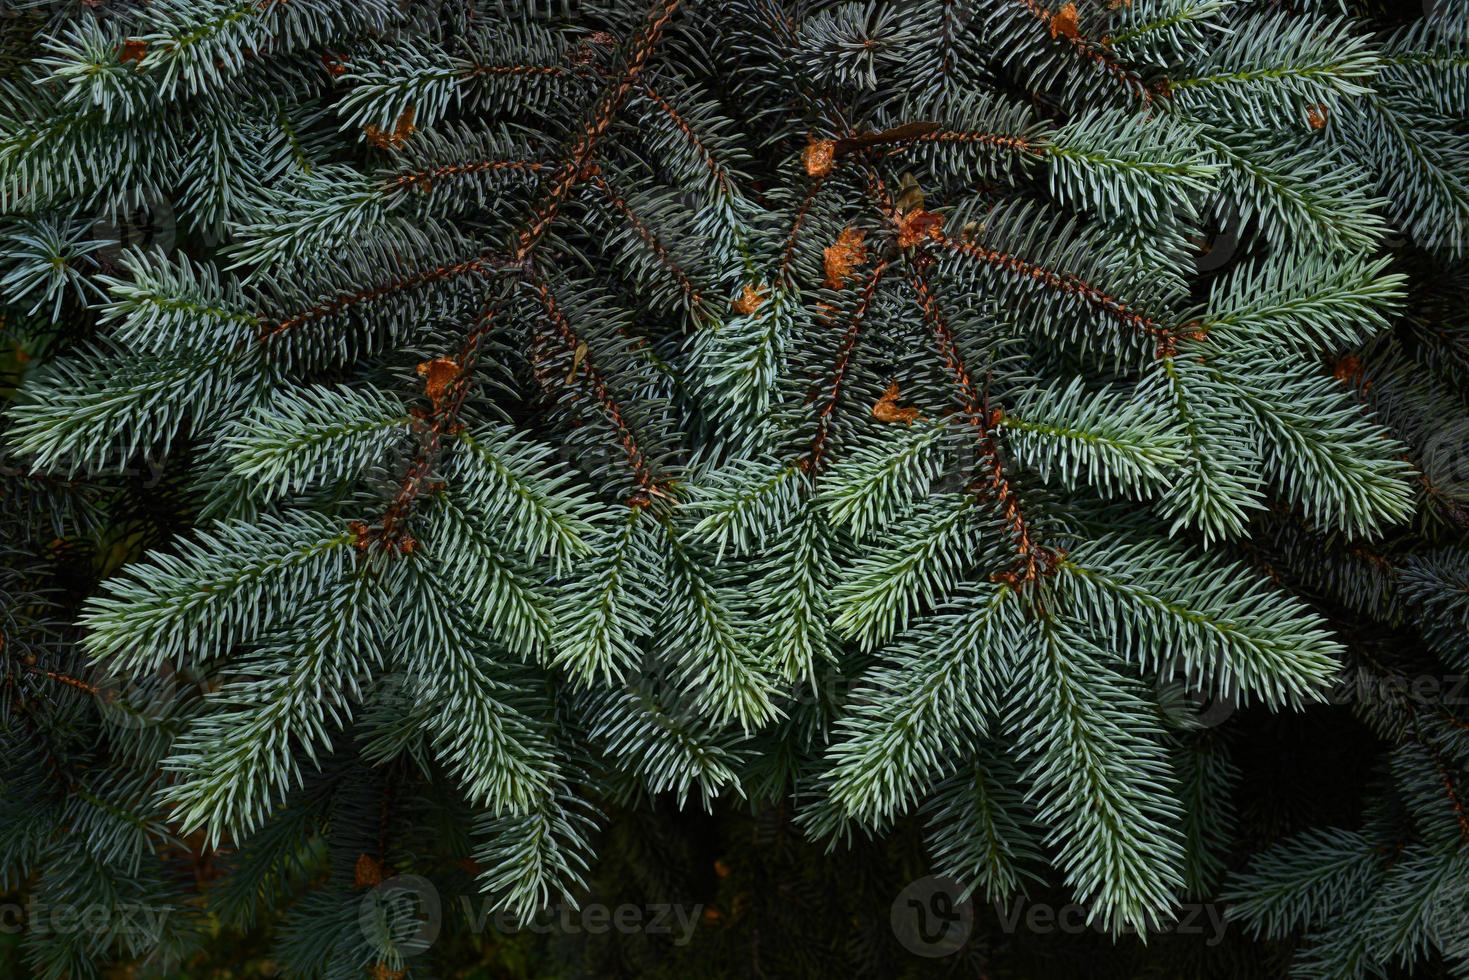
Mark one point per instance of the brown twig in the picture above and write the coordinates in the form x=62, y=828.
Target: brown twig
x=593, y=379
x=1034, y=560
x=688, y=133
x=443, y=417
x=348, y=300
x=425, y=179
x=649, y=238
x=1070, y=285
x=839, y=371
x=1061, y=24
x=601, y=116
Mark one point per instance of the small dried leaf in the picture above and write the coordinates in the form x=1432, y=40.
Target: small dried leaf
x=1349, y=371
x=362, y=535
x=577, y=356
x=897, y=134
x=438, y=375
x=133, y=49
x=750, y=300
x=1063, y=23
x=842, y=257
x=402, y=129
x=910, y=195
x=887, y=408
x=819, y=157
x=915, y=227
x=368, y=872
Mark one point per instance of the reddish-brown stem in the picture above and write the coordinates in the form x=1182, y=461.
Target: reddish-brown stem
x=1018, y=143
x=529, y=71
x=1453, y=793
x=1452, y=721
x=796, y=225
x=347, y=301
x=1450, y=788
x=69, y=681
x=978, y=413
x=1092, y=51
x=688, y=133
x=1068, y=284
x=1033, y=559
x=594, y=381
x=946, y=39
x=601, y=116
x=442, y=420
x=577, y=167
x=425, y=179
x=640, y=227
x=839, y=371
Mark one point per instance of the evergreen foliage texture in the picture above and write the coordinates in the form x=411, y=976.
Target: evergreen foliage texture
x=434, y=427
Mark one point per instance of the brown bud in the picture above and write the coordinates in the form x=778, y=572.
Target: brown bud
x=368, y=872
x=819, y=157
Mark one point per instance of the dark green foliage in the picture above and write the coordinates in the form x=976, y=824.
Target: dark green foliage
x=453, y=445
